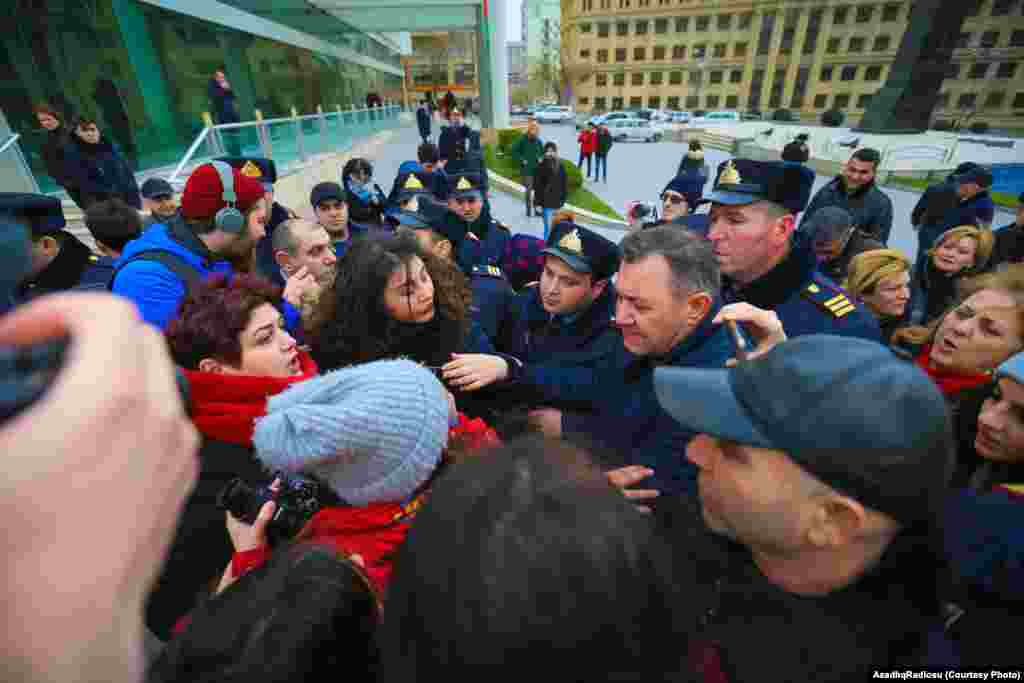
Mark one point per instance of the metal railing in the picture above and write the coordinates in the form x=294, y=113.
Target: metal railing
x=290, y=140
x=10, y=141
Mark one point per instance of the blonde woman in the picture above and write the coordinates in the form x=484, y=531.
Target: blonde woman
x=960, y=252
x=880, y=278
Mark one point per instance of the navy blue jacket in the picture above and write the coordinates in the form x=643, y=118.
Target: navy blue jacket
x=451, y=140
x=423, y=121
x=97, y=275
x=99, y=170
x=223, y=102
x=63, y=273
x=629, y=423
x=489, y=248
x=806, y=301
x=1009, y=245
x=870, y=207
x=559, y=362
x=494, y=301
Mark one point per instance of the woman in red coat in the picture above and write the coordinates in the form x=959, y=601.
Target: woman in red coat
x=588, y=145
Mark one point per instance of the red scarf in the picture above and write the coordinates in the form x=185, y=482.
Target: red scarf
x=225, y=407
x=949, y=383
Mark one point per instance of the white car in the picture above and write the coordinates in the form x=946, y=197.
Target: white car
x=610, y=116
x=555, y=115
x=683, y=117
x=633, y=129
x=718, y=117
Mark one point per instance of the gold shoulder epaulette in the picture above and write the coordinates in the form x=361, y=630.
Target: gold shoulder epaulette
x=832, y=301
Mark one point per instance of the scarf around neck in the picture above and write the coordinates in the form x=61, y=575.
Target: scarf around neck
x=950, y=382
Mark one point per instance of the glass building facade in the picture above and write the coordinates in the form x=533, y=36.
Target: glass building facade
x=143, y=72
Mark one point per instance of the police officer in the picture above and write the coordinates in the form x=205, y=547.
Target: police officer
x=58, y=258
x=753, y=218
x=562, y=334
x=494, y=300
x=486, y=239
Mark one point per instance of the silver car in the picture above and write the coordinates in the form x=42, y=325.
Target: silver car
x=633, y=129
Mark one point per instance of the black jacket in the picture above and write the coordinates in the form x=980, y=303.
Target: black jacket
x=938, y=290
x=857, y=244
x=452, y=143
x=100, y=172
x=935, y=203
x=550, y=185
x=63, y=273
x=1009, y=245
x=870, y=207
x=53, y=155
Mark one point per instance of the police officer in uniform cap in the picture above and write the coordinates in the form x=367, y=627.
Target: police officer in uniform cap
x=494, y=300
x=753, y=218
x=469, y=212
x=58, y=258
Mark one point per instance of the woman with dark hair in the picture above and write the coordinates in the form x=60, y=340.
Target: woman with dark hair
x=392, y=299
x=528, y=555
x=959, y=253
x=365, y=200
x=52, y=151
x=306, y=615
x=96, y=168
x=230, y=340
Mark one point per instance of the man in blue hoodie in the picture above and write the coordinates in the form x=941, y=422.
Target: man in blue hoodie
x=223, y=215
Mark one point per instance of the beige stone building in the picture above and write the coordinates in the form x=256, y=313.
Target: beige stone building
x=807, y=56
x=442, y=62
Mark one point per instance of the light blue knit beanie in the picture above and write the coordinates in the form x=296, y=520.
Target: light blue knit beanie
x=373, y=432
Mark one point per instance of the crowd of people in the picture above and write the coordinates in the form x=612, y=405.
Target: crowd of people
x=398, y=441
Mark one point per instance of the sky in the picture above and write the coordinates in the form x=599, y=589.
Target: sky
x=514, y=20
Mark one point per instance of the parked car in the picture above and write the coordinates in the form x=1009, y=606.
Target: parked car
x=753, y=115
x=633, y=129
x=555, y=115
x=718, y=117
x=519, y=111
x=610, y=116
x=683, y=117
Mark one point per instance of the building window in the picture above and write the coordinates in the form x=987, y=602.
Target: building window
x=584, y=28
x=1007, y=70
x=813, y=28
x=786, y=46
x=963, y=40
x=826, y=74
x=675, y=77
x=891, y=12
x=602, y=30
x=1017, y=39
x=740, y=50
x=639, y=54
x=661, y=26
x=764, y=39
x=696, y=77
x=979, y=70
x=692, y=102
x=636, y=102
x=800, y=87
x=833, y=46
x=849, y=73
x=616, y=103
x=700, y=51
x=618, y=79
x=1000, y=8
x=673, y=102
x=724, y=22
x=641, y=28
x=953, y=71
x=600, y=103
x=1018, y=101
x=778, y=83
x=736, y=76
x=995, y=100
x=873, y=73
x=842, y=101
x=756, y=82
x=620, y=54
x=659, y=52
x=882, y=43
x=682, y=24
x=602, y=56
x=584, y=54
x=719, y=51
x=637, y=78
x=989, y=38
x=839, y=15
x=656, y=77
x=966, y=101
x=732, y=101
x=746, y=20
x=601, y=80
x=856, y=44
x=703, y=23
x=864, y=13
x=712, y=101
x=716, y=77
x=622, y=28
x=584, y=100
x=864, y=100
x=654, y=102
x=820, y=101
x=678, y=52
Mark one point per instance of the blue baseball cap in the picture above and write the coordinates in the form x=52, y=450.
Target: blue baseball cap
x=156, y=187
x=846, y=410
x=324, y=191
x=745, y=181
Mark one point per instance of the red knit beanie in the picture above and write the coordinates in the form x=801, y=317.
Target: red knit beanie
x=203, y=195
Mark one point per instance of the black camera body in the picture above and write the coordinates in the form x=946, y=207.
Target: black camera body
x=297, y=501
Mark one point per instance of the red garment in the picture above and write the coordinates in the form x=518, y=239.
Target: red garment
x=225, y=407
x=588, y=141
x=950, y=383
x=473, y=434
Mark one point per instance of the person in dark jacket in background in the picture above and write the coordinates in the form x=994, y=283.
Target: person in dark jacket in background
x=880, y=279
x=1009, y=239
x=939, y=199
x=797, y=151
x=95, y=166
x=604, y=145
x=550, y=185
x=423, y=120
x=222, y=102
x=855, y=190
x=836, y=240
x=452, y=142
x=228, y=338
x=528, y=150
x=57, y=139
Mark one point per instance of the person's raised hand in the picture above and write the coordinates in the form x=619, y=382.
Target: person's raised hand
x=763, y=325
x=250, y=536
x=299, y=285
x=625, y=477
x=472, y=371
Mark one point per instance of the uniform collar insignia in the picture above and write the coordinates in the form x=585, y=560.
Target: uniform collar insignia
x=251, y=170
x=730, y=176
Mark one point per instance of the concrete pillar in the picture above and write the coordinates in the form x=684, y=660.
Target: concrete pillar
x=500, y=83
x=485, y=72
x=493, y=69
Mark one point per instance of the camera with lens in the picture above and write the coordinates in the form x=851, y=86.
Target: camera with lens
x=642, y=211
x=297, y=500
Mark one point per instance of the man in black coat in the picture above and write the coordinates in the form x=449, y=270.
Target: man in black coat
x=96, y=168
x=454, y=139
x=550, y=185
x=1009, y=242
x=423, y=120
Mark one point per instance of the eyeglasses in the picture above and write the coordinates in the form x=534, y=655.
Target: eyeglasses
x=676, y=199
